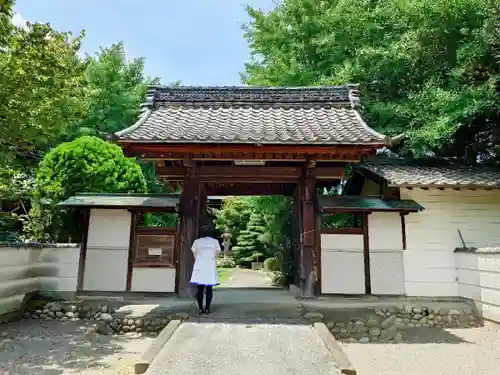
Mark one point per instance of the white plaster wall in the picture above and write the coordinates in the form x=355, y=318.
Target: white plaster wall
x=153, y=280
x=432, y=235
x=342, y=259
x=386, y=253
x=342, y=266
x=107, y=250
x=479, y=279
x=27, y=270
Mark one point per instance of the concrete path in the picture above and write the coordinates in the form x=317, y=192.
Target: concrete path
x=250, y=349
x=432, y=352
x=243, y=278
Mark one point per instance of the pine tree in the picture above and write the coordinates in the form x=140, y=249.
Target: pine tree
x=249, y=247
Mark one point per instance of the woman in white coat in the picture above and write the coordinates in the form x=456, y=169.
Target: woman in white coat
x=205, y=250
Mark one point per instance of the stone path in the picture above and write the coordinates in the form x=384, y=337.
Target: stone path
x=250, y=349
x=432, y=351
x=243, y=278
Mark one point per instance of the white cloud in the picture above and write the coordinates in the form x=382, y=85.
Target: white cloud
x=18, y=20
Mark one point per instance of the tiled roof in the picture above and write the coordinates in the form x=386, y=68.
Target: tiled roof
x=433, y=173
x=323, y=115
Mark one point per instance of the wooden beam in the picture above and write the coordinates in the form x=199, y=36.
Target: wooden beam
x=366, y=255
x=83, y=250
x=357, y=231
x=165, y=151
x=215, y=173
x=249, y=189
x=258, y=149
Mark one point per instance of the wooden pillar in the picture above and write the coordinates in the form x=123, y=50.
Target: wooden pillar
x=189, y=220
x=366, y=255
x=203, y=206
x=403, y=231
x=83, y=250
x=307, y=191
x=131, y=249
x=297, y=230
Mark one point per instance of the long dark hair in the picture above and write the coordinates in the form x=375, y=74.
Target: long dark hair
x=206, y=231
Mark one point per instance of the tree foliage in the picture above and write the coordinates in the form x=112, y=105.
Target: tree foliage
x=261, y=227
x=41, y=87
x=115, y=88
x=428, y=68
x=87, y=164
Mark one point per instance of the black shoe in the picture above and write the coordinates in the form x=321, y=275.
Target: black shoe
x=207, y=311
x=201, y=311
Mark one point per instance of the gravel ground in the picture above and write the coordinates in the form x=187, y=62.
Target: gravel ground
x=63, y=348
x=432, y=352
x=250, y=349
x=243, y=278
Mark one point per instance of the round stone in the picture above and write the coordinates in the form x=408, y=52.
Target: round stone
x=372, y=322
x=398, y=337
x=105, y=317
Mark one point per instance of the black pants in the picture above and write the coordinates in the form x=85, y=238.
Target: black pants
x=199, y=296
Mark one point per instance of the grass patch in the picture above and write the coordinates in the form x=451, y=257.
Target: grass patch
x=224, y=275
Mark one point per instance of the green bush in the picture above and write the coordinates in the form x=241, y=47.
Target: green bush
x=226, y=263
x=271, y=264
x=87, y=164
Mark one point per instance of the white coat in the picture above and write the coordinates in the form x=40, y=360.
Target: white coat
x=205, y=251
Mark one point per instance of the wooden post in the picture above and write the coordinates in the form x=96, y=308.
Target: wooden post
x=83, y=250
x=189, y=216
x=317, y=249
x=297, y=229
x=307, y=190
x=131, y=250
x=366, y=255
x=403, y=231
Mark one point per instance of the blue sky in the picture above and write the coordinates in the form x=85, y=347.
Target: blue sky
x=199, y=42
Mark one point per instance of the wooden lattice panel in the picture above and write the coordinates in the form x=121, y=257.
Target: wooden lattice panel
x=155, y=250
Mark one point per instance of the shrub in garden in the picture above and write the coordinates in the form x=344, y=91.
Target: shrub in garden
x=226, y=263
x=87, y=164
x=271, y=264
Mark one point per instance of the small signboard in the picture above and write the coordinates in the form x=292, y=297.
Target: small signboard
x=155, y=251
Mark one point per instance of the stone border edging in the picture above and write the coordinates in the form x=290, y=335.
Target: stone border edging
x=335, y=349
x=150, y=354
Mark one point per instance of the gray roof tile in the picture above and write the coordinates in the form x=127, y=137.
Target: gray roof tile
x=437, y=173
x=252, y=115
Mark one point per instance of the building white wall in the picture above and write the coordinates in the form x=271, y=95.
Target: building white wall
x=386, y=253
x=478, y=276
x=427, y=268
x=161, y=280
x=432, y=236
x=342, y=260
x=342, y=266
x=107, y=250
x=25, y=270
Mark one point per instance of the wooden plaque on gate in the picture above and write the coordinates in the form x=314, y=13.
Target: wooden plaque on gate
x=154, y=250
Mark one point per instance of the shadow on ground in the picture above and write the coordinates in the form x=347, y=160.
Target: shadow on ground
x=63, y=348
